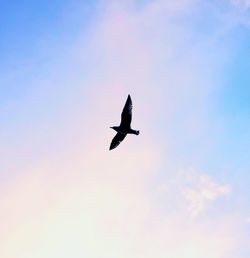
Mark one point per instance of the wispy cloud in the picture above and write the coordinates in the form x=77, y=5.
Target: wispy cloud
x=241, y=3
x=203, y=192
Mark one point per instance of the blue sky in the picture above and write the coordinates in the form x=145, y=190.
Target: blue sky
x=180, y=189
x=34, y=35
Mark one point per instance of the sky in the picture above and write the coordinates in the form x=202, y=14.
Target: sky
x=180, y=189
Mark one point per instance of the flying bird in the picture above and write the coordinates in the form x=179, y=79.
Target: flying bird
x=124, y=128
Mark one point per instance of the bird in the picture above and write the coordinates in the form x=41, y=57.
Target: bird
x=125, y=126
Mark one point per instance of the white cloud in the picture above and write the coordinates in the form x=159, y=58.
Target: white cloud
x=202, y=193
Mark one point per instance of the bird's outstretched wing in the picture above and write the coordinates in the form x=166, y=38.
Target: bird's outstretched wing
x=117, y=140
x=126, y=116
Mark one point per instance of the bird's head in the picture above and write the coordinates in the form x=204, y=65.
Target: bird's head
x=114, y=128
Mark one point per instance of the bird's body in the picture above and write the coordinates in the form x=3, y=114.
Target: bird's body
x=125, y=131
x=125, y=126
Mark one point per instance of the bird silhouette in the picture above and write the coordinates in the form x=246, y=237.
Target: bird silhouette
x=125, y=126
